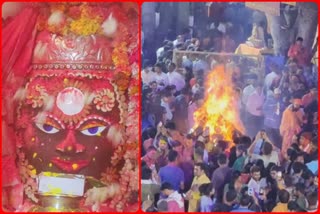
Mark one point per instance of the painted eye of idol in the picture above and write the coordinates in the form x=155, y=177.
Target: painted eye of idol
x=93, y=131
x=93, y=127
x=47, y=128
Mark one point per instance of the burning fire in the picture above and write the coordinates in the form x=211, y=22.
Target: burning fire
x=219, y=112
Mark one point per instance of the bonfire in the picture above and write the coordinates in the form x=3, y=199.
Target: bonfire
x=219, y=114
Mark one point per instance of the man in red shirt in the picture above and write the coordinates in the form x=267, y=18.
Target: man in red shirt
x=299, y=53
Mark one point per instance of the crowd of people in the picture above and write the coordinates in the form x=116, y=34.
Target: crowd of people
x=272, y=167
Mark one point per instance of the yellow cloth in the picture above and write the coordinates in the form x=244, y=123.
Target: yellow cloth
x=195, y=196
x=281, y=207
x=247, y=50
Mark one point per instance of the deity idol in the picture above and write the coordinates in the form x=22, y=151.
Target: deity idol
x=73, y=118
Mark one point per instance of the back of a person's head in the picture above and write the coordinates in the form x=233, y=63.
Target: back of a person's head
x=172, y=156
x=260, y=164
x=166, y=186
x=297, y=167
x=222, y=159
x=170, y=125
x=292, y=154
x=312, y=198
x=288, y=180
x=205, y=189
x=245, y=200
x=267, y=148
x=241, y=147
x=254, y=169
x=307, y=174
x=247, y=167
x=146, y=173
x=166, y=93
x=162, y=206
x=152, y=132
x=245, y=140
x=231, y=195
x=284, y=196
x=222, y=144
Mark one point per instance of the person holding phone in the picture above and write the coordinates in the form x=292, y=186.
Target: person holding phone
x=268, y=154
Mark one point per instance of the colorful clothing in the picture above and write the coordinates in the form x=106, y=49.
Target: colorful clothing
x=195, y=195
x=290, y=125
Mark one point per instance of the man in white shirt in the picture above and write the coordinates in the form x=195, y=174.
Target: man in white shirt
x=147, y=75
x=248, y=90
x=166, y=99
x=160, y=50
x=254, y=184
x=254, y=116
x=271, y=77
x=175, y=78
x=179, y=40
x=160, y=77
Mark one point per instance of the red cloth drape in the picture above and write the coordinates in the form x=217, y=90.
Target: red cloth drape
x=18, y=38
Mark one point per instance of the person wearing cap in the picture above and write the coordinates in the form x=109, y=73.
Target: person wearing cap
x=175, y=201
x=272, y=110
x=291, y=122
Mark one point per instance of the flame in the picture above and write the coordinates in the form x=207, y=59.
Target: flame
x=219, y=112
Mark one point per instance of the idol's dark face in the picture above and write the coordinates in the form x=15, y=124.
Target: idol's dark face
x=84, y=150
x=71, y=135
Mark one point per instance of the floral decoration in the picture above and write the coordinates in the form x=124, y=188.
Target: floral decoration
x=110, y=176
x=36, y=96
x=85, y=20
x=104, y=100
